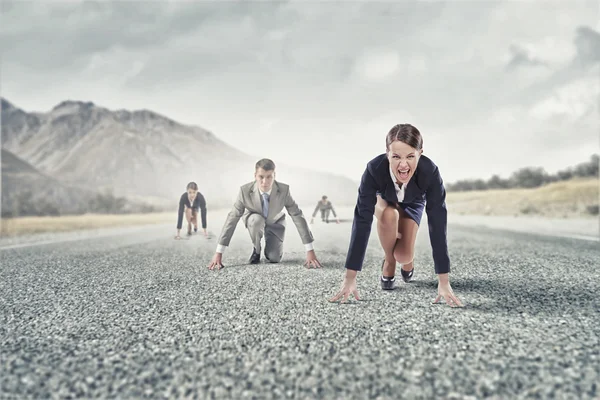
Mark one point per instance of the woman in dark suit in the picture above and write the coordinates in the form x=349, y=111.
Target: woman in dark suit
x=190, y=202
x=396, y=187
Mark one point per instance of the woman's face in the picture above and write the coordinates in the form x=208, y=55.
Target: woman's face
x=403, y=160
x=192, y=192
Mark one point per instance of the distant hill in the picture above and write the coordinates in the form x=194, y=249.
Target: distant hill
x=26, y=191
x=145, y=155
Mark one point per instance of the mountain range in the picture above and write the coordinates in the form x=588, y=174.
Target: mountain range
x=141, y=155
x=26, y=191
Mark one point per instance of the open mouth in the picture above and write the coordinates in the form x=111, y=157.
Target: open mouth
x=403, y=173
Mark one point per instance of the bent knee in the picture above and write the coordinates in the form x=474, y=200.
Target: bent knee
x=273, y=257
x=389, y=215
x=255, y=220
x=402, y=256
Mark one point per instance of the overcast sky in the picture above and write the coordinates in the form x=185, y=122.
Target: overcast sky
x=493, y=86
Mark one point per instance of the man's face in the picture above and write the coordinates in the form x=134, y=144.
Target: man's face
x=264, y=179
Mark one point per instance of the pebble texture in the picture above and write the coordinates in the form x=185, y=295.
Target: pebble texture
x=139, y=316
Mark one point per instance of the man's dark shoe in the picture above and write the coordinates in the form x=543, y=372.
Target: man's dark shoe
x=255, y=257
x=407, y=275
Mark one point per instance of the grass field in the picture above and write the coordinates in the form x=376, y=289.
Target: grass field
x=574, y=198
x=567, y=199
x=31, y=225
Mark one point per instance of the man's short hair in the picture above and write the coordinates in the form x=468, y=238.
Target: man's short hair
x=266, y=164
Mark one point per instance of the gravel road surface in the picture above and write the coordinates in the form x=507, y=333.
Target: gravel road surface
x=136, y=314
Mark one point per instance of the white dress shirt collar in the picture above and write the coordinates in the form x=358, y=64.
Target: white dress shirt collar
x=399, y=190
x=261, y=192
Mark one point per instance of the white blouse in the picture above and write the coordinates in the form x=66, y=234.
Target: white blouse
x=399, y=190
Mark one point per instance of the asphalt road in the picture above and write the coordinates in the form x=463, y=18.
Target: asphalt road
x=135, y=314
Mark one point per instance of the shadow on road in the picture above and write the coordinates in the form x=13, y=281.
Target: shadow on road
x=287, y=263
x=519, y=297
x=332, y=221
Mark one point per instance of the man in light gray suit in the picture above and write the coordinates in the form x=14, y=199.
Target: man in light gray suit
x=260, y=204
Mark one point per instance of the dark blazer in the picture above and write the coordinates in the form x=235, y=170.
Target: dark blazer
x=425, y=185
x=199, y=203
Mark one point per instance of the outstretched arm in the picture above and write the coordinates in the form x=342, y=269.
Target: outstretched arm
x=305, y=234
x=180, y=216
x=332, y=209
x=202, y=204
x=231, y=222
x=359, y=239
x=227, y=232
x=437, y=217
x=363, y=219
x=298, y=217
x=316, y=210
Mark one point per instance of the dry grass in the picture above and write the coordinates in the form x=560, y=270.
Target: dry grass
x=30, y=225
x=573, y=198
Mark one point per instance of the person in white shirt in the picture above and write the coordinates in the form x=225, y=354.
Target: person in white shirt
x=260, y=204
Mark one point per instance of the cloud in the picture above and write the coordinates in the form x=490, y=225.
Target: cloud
x=53, y=35
x=569, y=103
x=587, y=43
x=346, y=69
x=116, y=66
x=520, y=57
x=379, y=64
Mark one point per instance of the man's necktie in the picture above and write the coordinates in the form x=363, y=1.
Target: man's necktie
x=265, y=204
